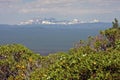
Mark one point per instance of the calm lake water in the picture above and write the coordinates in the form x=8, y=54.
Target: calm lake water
x=46, y=39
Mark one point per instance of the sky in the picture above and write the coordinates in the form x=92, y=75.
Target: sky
x=15, y=11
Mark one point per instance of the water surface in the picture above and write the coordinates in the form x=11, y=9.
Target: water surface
x=47, y=39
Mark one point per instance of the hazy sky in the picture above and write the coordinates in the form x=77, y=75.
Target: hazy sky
x=14, y=11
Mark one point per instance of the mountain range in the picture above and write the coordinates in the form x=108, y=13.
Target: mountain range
x=54, y=21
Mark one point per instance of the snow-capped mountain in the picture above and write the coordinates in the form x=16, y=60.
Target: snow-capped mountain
x=54, y=21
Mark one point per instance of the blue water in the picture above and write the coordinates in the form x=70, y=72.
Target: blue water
x=46, y=39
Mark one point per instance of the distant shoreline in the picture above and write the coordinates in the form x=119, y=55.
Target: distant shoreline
x=47, y=52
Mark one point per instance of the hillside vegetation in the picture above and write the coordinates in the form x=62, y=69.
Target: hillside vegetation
x=98, y=58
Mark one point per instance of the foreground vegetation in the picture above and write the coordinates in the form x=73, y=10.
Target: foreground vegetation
x=98, y=58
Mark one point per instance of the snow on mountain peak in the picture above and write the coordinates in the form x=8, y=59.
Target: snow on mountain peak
x=54, y=21
x=95, y=21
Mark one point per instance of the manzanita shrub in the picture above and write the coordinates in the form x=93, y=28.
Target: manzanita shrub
x=16, y=62
x=98, y=58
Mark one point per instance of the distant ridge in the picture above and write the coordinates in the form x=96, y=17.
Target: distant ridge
x=54, y=21
x=24, y=25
